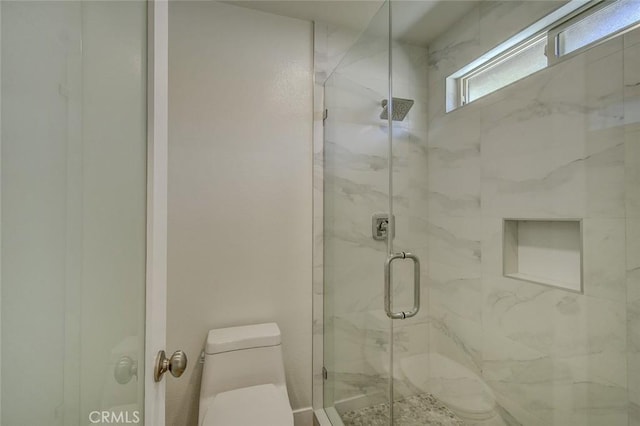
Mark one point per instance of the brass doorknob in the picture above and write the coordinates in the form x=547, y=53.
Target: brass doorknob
x=176, y=365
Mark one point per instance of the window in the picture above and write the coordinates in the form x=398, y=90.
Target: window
x=571, y=29
x=598, y=23
x=518, y=63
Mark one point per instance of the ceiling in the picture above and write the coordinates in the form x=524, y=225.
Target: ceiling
x=414, y=21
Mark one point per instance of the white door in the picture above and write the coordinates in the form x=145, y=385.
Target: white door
x=83, y=156
x=158, y=42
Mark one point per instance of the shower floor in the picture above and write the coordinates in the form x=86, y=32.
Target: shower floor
x=416, y=410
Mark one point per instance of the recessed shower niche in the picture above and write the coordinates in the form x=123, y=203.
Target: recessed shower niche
x=544, y=251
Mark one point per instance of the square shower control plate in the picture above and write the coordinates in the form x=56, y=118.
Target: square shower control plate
x=380, y=226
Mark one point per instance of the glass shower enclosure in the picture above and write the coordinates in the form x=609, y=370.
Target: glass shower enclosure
x=497, y=145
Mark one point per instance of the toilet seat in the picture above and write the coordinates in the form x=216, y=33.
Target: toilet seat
x=255, y=405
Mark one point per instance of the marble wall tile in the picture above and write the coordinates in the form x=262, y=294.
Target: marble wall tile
x=500, y=20
x=520, y=376
x=632, y=185
x=455, y=288
x=632, y=171
x=634, y=414
x=567, y=156
x=551, y=145
x=632, y=85
x=604, y=260
x=570, y=351
x=552, y=321
x=632, y=37
x=633, y=305
x=456, y=46
x=455, y=337
x=634, y=351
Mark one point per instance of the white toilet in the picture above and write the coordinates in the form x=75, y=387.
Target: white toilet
x=243, y=380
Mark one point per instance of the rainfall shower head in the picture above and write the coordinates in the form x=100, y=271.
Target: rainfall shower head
x=401, y=108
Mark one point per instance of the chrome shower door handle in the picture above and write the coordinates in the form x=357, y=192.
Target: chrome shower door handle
x=416, y=286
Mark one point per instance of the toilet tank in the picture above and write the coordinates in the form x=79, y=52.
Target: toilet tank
x=239, y=357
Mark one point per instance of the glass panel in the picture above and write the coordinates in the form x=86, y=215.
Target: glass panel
x=562, y=144
x=73, y=211
x=609, y=20
x=513, y=67
x=356, y=330
x=410, y=343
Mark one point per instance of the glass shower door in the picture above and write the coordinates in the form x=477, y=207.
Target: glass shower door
x=513, y=179
x=73, y=211
x=409, y=355
x=357, y=332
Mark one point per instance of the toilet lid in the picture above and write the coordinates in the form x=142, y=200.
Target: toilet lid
x=256, y=405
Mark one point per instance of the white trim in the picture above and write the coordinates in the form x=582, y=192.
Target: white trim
x=156, y=283
x=0, y=208
x=303, y=416
x=321, y=417
x=333, y=416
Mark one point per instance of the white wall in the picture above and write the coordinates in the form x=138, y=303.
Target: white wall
x=240, y=166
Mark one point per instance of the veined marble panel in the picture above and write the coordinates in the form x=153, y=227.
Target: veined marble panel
x=632, y=83
x=549, y=146
x=455, y=48
x=409, y=65
x=455, y=243
x=500, y=20
x=455, y=337
x=632, y=172
x=454, y=177
x=455, y=288
x=555, y=322
x=362, y=358
x=560, y=357
x=604, y=260
x=634, y=414
x=454, y=165
x=605, y=173
x=632, y=187
x=517, y=373
x=567, y=156
x=632, y=37
x=633, y=305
